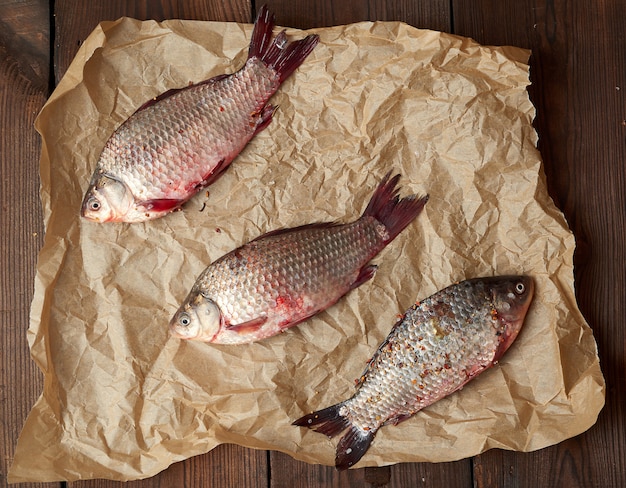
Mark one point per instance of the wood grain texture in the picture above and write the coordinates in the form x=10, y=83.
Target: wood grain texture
x=577, y=69
x=227, y=465
x=74, y=20
x=579, y=89
x=24, y=70
x=306, y=15
x=287, y=473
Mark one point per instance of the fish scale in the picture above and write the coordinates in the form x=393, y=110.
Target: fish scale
x=177, y=137
x=181, y=141
x=284, y=277
x=293, y=273
x=421, y=363
x=439, y=345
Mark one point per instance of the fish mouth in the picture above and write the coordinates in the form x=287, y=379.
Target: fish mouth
x=107, y=200
x=183, y=325
x=198, y=319
x=175, y=333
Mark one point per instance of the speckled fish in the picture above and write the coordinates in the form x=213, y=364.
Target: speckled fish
x=438, y=346
x=282, y=278
x=180, y=142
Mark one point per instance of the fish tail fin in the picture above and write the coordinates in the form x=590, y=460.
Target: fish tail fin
x=330, y=422
x=327, y=421
x=352, y=446
x=279, y=54
x=389, y=209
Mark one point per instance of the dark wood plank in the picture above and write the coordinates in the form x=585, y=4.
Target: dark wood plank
x=306, y=15
x=578, y=88
x=74, y=21
x=558, y=467
x=286, y=472
x=435, y=15
x=577, y=68
x=457, y=474
x=225, y=465
x=24, y=68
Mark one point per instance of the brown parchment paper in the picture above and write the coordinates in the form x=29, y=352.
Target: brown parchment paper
x=123, y=400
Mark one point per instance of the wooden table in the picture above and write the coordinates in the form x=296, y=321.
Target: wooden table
x=578, y=70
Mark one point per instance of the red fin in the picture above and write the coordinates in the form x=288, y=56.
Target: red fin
x=266, y=118
x=212, y=176
x=366, y=274
x=248, y=327
x=391, y=211
x=173, y=91
x=262, y=33
x=399, y=418
x=154, y=100
x=280, y=55
x=162, y=204
x=276, y=232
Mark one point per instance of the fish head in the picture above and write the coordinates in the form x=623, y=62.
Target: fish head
x=199, y=318
x=511, y=297
x=107, y=200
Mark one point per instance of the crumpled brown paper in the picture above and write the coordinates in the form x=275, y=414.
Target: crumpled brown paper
x=123, y=400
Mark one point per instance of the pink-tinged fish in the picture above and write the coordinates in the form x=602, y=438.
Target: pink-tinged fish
x=439, y=345
x=282, y=278
x=180, y=142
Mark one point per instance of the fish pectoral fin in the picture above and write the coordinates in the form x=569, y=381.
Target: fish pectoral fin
x=264, y=118
x=248, y=326
x=399, y=418
x=213, y=175
x=365, y=274
x=161, y=204
x=475, y=370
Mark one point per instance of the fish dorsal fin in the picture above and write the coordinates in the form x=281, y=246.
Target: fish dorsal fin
x=158, y=98
x=174, y=91
x=283, y=230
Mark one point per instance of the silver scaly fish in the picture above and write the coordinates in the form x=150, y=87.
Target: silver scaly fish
x=439, y=345
x=180, y=142
x=282, y=278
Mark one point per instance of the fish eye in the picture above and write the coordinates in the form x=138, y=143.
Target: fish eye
x=184, y=320
x=520, y=288
x=94, y=204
